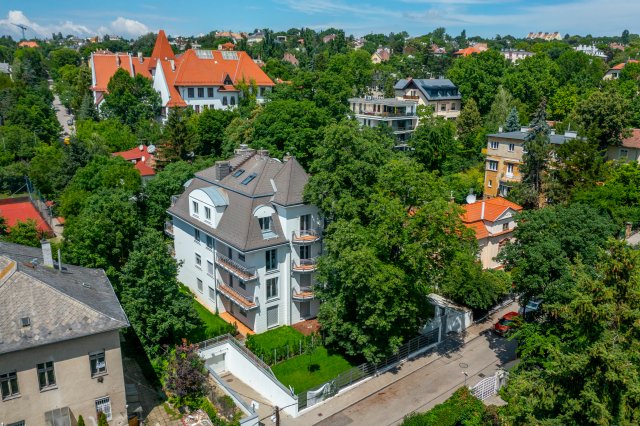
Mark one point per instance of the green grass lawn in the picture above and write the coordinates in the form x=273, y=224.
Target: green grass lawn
x=307, y=371
x=213, y=324
x=274, y=339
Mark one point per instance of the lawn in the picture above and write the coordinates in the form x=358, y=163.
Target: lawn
x=274, y=339
x=307, y=371
x=213, y=324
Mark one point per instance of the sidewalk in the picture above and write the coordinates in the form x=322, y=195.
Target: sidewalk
x=418, y=384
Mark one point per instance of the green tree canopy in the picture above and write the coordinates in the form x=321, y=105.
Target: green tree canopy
x=130, y=99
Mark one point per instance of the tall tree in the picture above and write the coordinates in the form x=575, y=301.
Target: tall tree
x=468, y=125
x=178, y=141
x=512, y=124
x=604, y=116
x=130, y=99
x=537, y=149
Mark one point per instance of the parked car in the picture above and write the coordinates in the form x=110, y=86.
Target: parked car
x=504, y=324
x=530, y=308
x=70, y=122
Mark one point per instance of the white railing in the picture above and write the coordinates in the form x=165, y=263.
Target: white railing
x=307, y=235
x=236, y=268
x=305, y=265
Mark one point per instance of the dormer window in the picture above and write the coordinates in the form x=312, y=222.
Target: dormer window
x=227, y=80
x=265, y=224
x=196, y=207
x=207, y=213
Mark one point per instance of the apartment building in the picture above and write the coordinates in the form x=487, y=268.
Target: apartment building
x=399, y=115
x=504, y=157
x=59, y=341
x=440, y=93
x=247, y=241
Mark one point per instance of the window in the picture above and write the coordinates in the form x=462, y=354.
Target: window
x=9, y=385
x=505, y=226
x=305, y=252
x=98, y=364
x=243, y=312
x=210, y=268
x=198, y=260
x=272, y=316
x=20, y=423
x=241, y=257
x=196, y=235
x=238, y=173
x=190, y=92
x=233, y=100
x=305, y=222
x=624, y=153
x=212, y=293
x=209, y=242
x=242, y=285
x=493, y=165
x=493, y=145
x=201, y=92
x=197, y=108
x=443, y=107
x=103, y=405
x=248, y=179
x=510, y=169
x=224, y=100
x=195, y=206
x=207, y=213
x=265, y=223
x=512, y=147
x=272, y=264
x=272, y=288
x=453, y=106
x=199, y=282
x=210, y=92
x=490, y=183
x=46, y=375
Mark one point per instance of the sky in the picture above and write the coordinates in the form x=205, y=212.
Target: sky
x=132, y=18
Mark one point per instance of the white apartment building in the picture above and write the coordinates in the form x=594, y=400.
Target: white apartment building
x=399, y=115
x=440, y=93
x=247, y=241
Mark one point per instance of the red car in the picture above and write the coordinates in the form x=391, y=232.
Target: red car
x=503, y=326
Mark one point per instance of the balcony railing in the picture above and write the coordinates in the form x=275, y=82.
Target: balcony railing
x=410, y=97
x=236, y=268
x=305, y=293
x=242, y=300
x=305, y=265
x=168, y=228
x=306, y=236
x=388, y=114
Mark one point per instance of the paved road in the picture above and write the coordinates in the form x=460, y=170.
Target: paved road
x=61, y=113
x=417, y=385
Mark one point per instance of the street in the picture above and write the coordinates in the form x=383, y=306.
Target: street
x=61, y=112
x=417, y=385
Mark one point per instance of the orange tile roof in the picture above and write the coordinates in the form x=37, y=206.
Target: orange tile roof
x=144, y=160
x=162, y=49
x=632, y=141
x=105, y=66
x=468, y=51
x=622, y=65
x=474, y=216
x=175, y=100
x=28, y=44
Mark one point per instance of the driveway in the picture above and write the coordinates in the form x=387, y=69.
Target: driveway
x=419, y=384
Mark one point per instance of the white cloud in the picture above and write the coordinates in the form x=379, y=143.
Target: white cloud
x=128, y=27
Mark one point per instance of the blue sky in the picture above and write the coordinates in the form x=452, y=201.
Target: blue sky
x=482, y=17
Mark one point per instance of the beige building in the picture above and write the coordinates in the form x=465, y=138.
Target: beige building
x=504, y=158
x=629, y=150
x=59, y=342
x=493, y=223
x=440, y=93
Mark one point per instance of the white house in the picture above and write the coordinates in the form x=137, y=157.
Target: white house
x=440, y=93
x=248, y=242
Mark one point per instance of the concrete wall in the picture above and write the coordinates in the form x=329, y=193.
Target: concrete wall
x=75, y=388
x=263, y=382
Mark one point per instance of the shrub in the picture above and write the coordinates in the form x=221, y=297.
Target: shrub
x=462, y=408
x=80, y=421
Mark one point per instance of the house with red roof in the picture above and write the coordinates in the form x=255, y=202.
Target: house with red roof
x=493, y=223
x=628, y=150
x=143, y=159
x=31, y=44
x=614, y=72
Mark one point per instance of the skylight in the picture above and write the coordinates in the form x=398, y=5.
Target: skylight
x=248, y=179
x=238, y=173
x=204, y=54
x=226, y=54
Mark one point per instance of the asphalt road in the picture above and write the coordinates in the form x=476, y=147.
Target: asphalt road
x=61, y=113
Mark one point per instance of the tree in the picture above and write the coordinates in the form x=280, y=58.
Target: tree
x=433, y=142
x=178, y=139
x=159, y=313
x=46, y=170
x=110, y=133
x=61, y=57
x=500, y=108
x=3, y=226
x=102, y=419
x=25, y=233
x=158, y=191
x=513, y=122
x=533, y=79
x=87, y=109
x=186, y=376
x=468, y=125
x=604, y=116
x=80, y=420
x=208, y=128
x=545, y=243
x=537, y=148
x=130, y=99
x=580, y=365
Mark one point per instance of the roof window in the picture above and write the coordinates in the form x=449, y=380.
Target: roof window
x=248, y=179
x=26, y=321
x=238, y=172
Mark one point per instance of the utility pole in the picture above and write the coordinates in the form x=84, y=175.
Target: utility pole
x=277, y=415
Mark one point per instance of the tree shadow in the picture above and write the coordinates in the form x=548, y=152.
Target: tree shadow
x=502, y=346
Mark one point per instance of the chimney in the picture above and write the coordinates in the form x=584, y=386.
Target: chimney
x=140, y=58
x=627, y=230
x=482, y=211
x=524, y=130
x=263, y=152
x=223, y=168
x=47, y=257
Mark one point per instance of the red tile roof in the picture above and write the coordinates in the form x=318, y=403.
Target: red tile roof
x=105, y=66
x=162, y=49
x=476, y=214
x=632, y=141
x=468, y=51
x=622, y=65
x=175, y=100
x=144, y=161
x=32, y=44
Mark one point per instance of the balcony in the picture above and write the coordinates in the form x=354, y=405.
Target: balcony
x=509, y=177
x=413, y=98
x=236, y=268
x=388, y=114
x=306, y=236
x=168, y=228
x=243, y=301
x=305, y=293
x=305, y=265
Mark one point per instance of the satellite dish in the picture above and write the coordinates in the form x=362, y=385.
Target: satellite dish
x=151, y=149
x=471, y=198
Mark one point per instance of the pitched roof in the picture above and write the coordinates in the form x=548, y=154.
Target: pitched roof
x=289, y=183
x=144, y=160
x=60, y=306
x=622, y=65
x=468, y=51
x=478, y=215
x=520, y=135
x=105, y=65
x=632, y=141
x=431, y=88
x=162, y=49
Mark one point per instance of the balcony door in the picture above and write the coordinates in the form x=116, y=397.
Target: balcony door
x=305, y=222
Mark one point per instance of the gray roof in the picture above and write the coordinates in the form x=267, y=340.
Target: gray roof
x=520, y=135
x=60, y=306
x=5, y=68
x=275, y=182
x=428, y=86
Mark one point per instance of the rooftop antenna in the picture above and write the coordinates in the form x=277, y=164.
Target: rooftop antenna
x=23, y=28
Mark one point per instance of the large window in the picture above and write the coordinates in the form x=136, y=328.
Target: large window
x=272, y=263
x=210, y=92
x=98, y=364
x=9, y=385
x=512, y=147
x=492, y=165
x=190, y=92
x=212, y=293
x=201, y=92
x=207, y=213
x=195, y=206
x=272, y=288
x=272, y=316
x=46, y=375
x=224, y=100
x=199, y=283
x=493, y=145
x=305, y=222
x=510, y=169
x=265, y=223
x=103, y=405
x=233, y=102
x=210, y=268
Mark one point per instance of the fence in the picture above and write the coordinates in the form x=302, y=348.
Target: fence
x=273, y=356
x=363, y=371
x=490, y=386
